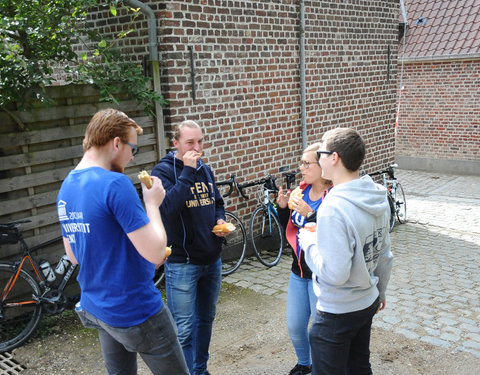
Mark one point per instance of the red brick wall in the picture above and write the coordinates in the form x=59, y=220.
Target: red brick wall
x=440, y=111
x=247, y=76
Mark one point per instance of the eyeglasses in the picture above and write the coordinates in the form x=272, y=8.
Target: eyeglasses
x=319, y=153
x=135, y=149
x=305, y=164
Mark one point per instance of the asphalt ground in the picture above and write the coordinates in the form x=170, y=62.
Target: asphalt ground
x=433, y=294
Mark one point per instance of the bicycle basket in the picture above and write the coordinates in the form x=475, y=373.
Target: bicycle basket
x=8, y=236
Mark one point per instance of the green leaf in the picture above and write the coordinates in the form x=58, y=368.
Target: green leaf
x=102, y=43
x=113, y=10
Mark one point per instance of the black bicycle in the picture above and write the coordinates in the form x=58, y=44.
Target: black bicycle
x=234, y=245
x=396, y=195
x=28, y=288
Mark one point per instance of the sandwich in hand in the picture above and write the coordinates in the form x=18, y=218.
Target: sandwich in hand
x=295, y=193
x=144, y=177
x=223, y=228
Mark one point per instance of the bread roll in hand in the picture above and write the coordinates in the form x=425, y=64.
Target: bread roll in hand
x=223, y=228
x=144, y=177
x=295, y=193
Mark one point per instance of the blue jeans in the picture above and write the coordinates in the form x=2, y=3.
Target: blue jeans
x=341, y=342
x=155, y=340
x=301, y=303
x=192, y=295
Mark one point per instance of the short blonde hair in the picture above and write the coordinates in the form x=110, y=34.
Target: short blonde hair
x=187, y=124
x=313, y=147
x=106, y=125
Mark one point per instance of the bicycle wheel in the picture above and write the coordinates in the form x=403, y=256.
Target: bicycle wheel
x=159, y=277
x=392, y=211
x=266, y=236
x=233, y=245
x=19, y=312
x=400, y=204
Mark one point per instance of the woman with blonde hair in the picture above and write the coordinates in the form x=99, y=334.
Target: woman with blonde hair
x=301, y=298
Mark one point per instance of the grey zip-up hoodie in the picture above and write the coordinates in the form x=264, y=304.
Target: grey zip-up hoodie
x=350, y=257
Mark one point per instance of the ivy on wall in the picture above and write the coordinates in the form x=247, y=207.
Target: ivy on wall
x=38, y=41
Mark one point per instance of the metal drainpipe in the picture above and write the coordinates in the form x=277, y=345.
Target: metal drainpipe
x=153, y=52
x=302, y=76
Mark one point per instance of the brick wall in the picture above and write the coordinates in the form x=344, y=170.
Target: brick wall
x=246, y=57
x=440, y=111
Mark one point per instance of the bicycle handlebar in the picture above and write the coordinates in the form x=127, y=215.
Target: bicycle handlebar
x=14, y=224
x=389, y=171
x=268, y=182
x=290, y=178
x=230, y=182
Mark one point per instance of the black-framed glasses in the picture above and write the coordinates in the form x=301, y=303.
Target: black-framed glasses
x=135, y=149
x=319, y=153
x=305, y=163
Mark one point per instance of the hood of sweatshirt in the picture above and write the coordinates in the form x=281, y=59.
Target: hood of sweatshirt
x=365, y=194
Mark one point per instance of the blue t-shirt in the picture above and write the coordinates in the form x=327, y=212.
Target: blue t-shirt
x=96, y=209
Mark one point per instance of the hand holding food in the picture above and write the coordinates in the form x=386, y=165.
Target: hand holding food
x=295, y=193
x=223, y=228
x=144, y=177
x=190, y=158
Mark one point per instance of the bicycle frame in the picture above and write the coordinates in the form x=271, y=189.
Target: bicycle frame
x=269, y=207
x=6, y=291
x=27, y=258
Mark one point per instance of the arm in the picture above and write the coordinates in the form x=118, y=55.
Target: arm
x=68, y=250
x=384, y=268
x=219, y=202
x=177, y=192
x=151, y=239
x=328, y=252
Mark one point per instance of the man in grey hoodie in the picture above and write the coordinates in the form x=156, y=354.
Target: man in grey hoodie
x=350, y=258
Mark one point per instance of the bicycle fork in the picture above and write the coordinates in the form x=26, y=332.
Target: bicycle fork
x=267, y=216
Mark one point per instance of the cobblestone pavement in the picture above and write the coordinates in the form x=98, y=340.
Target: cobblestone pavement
x=433, y=294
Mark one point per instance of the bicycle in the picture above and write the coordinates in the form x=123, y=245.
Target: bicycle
x=27, y=292
x=235, y=244
x=396, y=195
x=266, y=232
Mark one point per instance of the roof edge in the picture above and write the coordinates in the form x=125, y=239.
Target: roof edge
x=464, y=56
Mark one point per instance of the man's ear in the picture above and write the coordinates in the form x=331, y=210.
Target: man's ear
x=116, y=144
x=335, y=158
x=175, y=143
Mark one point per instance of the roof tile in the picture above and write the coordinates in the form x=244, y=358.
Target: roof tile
x=452, y=27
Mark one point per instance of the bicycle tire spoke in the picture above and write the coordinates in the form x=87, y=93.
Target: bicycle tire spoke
x=19, y=313
x=266, y=237
x=233, y=246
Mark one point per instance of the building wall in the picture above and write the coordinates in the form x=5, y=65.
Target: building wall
x=247, y=83
x=439, y=122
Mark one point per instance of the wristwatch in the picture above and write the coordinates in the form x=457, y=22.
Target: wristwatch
x=311, y=217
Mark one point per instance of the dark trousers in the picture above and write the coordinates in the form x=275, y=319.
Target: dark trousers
x=340, y=343
x=155, y=340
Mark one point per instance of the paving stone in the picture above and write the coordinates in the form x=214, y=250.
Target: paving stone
x=436, y=341
x=433, y=292
x=449, y=337
x=472, y=344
